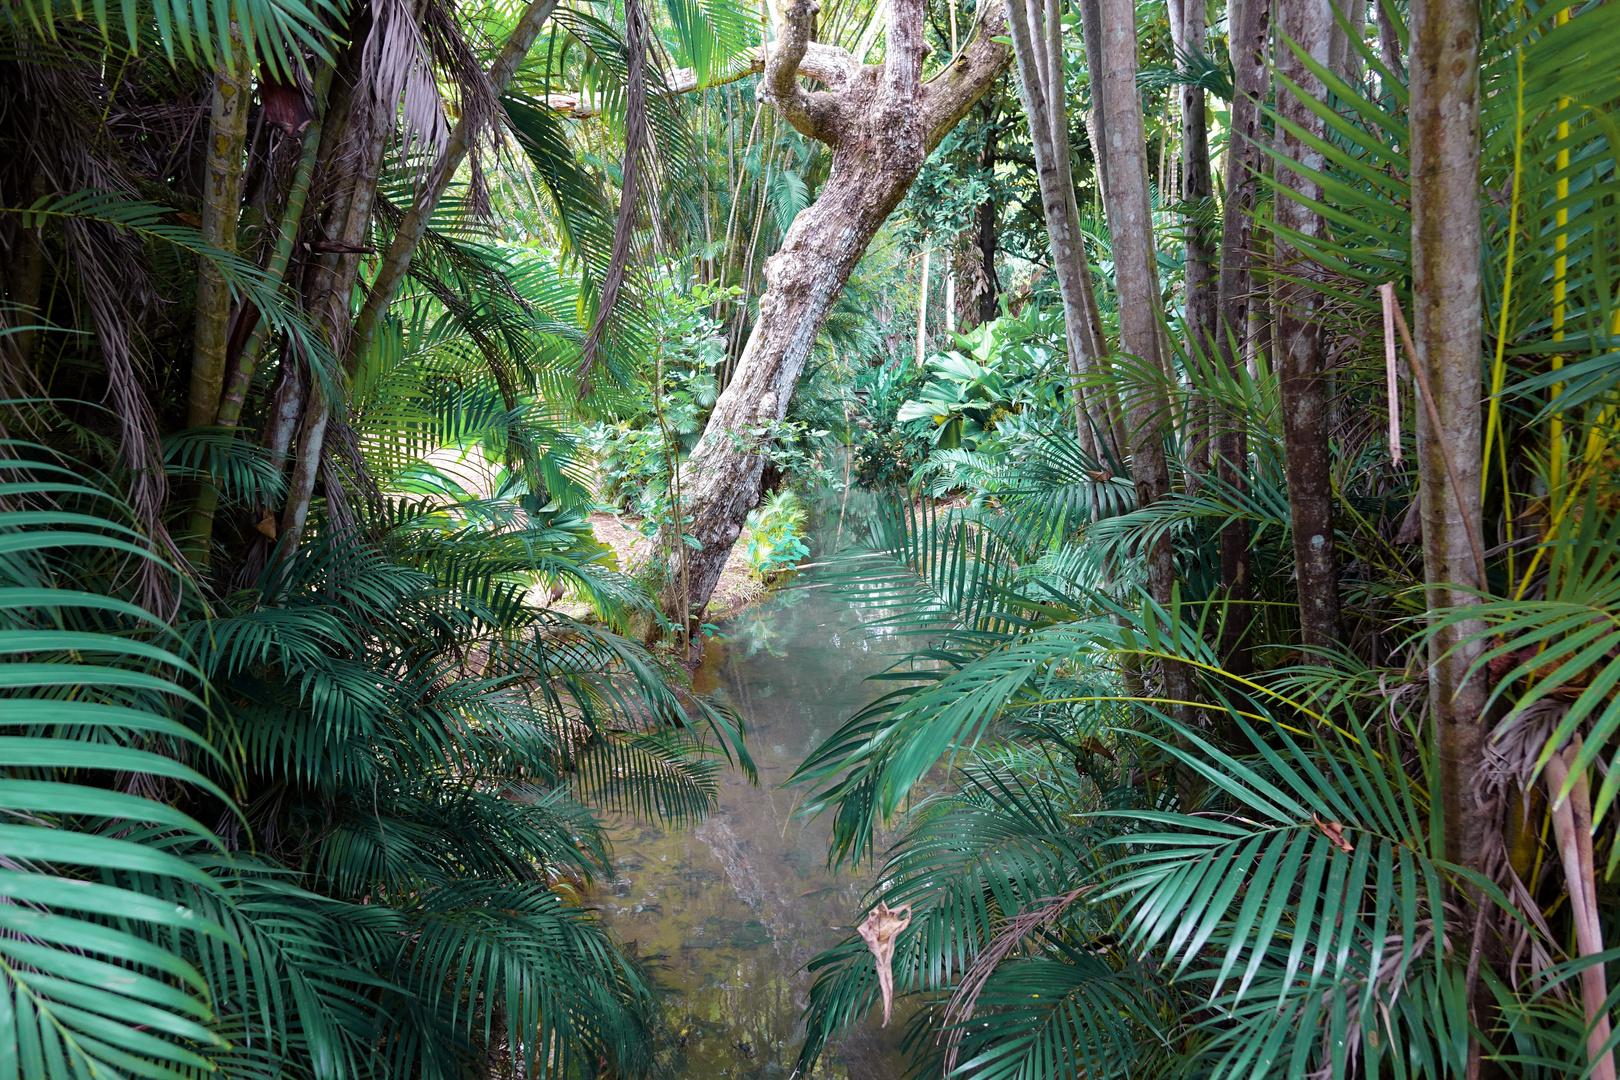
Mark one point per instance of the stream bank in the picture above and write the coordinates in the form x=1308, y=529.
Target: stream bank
x=733, y=909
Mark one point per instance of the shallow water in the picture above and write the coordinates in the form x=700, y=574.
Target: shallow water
x=735, y=908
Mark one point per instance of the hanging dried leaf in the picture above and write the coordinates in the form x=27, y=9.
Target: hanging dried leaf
x=284, y=104
x=879, y=931
x=398, y=66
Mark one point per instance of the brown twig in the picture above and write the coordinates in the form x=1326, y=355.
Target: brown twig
x=960, y=1008
x=1422, y=377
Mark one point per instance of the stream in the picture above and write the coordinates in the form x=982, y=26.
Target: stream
x=731, y=911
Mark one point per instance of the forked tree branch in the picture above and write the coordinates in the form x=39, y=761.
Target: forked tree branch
x=949, y=95
x=824, y=63
x=813, y=114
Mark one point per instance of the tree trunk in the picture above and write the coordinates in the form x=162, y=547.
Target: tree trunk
x=1130, y=224
x=922, y=306
x=240, y=376
x=1446, y=321
x=1389, y=42
x=988, y=285
x=881, y=122
x=292, y=218
x=1572, y=828
x=329, y=291
x=397, y=260
x=1249, y=32
x=1447, y=314
x=1197, y=195
x=1040, y=78
x=333, y=191
x=223, y=170
x=1309, y=26
x=1091, y=32
x=1343, y=59
x=221, y=206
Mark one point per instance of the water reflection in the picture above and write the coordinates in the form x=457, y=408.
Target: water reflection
x=736, y=907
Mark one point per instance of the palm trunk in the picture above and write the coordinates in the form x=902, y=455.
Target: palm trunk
x=922, y=307
x=223, y=171
x=1343, y=59
x=336, y=164
x=240, y=378
x=1389, y=42
x=1249, y=30
x=987, y=285
x=1091, y=32
x=982, y=300
x=1446, y=303
x=1040, y=79
x=1309, y=26
x=881, y=122
x=1446, y=322
x=1136, y=282
x=359, y=147
x=1572, y=827
x=221, y=206
x=292, y=217
x=1197, y=194
x=397, y=260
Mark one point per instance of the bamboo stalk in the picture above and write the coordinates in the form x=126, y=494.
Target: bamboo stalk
x=221, y=208
x=292, y=216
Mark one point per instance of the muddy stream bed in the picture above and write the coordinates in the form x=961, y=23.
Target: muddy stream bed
x=732, y=910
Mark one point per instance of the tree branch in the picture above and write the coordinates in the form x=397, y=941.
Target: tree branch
x=949, y=95
x=825, y=63
x=812, y=114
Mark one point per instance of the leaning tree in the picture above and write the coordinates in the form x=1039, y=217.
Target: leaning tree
x=881, y=121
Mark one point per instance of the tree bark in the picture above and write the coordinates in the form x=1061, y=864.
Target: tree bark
x=1572, y=829
x=1389, y=42
x=223, y=171
x=1307, y=25
x=396, y=261
x=1446, y=311
x=1136, y=283
x=1091, y=32
x=328, y=293
x=1197, y=195
x=1249, y=30
x=922, y=306
x=987, y=284
x=333, y=191
x=221, y=206
x=1343, y=59
x=1040, y=79
x=881, y=122
x=1447, y=314
x=292, y=218
x=240, y=376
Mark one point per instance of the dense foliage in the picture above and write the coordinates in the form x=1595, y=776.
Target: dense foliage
x=1256, y=879
x=1263, y=711
x=303, y=764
